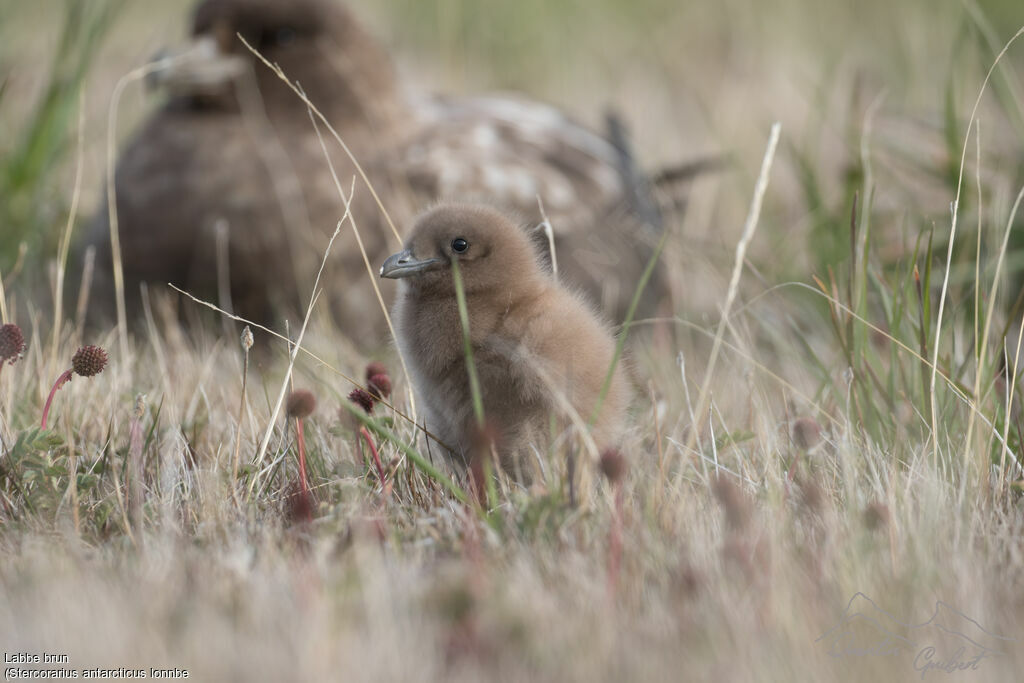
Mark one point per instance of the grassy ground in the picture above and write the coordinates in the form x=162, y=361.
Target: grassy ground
x=807, y=456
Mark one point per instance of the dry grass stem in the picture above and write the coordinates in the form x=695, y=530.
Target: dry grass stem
x=949, y=254
x=741, y=249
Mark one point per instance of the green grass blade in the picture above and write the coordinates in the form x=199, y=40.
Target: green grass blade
x=467, y=345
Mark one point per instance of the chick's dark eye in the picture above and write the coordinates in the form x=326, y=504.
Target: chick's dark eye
x=459, y=245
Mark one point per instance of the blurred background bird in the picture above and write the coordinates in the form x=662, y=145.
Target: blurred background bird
x=225, y=191
x=538, y=351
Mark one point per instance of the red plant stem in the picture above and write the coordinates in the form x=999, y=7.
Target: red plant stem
x=792, y=467
x=61, y=381
x=373, y=450
x=477, y=479
x=615, y=542
x=303, y=481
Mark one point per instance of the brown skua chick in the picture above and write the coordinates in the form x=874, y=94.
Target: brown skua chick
x=538, y=349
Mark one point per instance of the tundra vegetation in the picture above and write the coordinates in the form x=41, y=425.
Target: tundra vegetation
x=821, y=478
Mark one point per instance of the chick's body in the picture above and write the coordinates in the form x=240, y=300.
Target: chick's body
x=537, y=348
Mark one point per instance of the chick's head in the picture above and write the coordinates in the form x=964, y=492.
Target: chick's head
x=492, y=253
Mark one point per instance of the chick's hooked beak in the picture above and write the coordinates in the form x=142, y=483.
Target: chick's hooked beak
x=200, y=68
x=404, y=264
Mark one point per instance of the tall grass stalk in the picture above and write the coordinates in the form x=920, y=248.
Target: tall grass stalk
x=620, y=343
x=115, y=235
x=741, y=249
x=247, y=342
x=418, y=460
x=65, y=242
x=317, y=115
x=36, y=150
x=320, y=360
x=949, y=262
x=467, y=345
x=313, y=297
x=370, y=272
x=983, y=343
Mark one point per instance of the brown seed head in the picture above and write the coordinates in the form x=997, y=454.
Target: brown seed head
x=363, y=399
x=12, y=343
x=876, y=515
x=613, y=465
x=685, y=580
x=88, y=361
x=811, y=495
x=301, y=403
x=379, y=386
x=246, y=338
x=298, y=504
x=734, y=501
x=806, y=433
x=140, y=406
